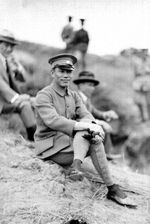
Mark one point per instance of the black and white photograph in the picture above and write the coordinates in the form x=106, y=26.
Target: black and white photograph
x=74, y=112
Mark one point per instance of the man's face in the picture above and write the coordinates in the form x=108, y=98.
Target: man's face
x=62, y=77
x=6, y=48
x=87, y=88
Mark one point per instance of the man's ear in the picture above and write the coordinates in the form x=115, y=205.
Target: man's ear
x=52, y=73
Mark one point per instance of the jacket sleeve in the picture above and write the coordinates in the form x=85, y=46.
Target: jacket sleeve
x=50, y=117
x=5, y=91
x=98, y=114
x=81, y=110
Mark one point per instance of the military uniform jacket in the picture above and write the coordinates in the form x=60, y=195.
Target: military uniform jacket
x=8, y=87
x=56, y=114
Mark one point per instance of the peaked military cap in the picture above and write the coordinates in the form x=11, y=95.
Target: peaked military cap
x=86, y=76
x=64, y=61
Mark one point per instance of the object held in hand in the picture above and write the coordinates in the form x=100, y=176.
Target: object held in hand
x=85, y=126
x=93, y=137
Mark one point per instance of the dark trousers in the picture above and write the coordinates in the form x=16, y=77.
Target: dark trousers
x=27, y=116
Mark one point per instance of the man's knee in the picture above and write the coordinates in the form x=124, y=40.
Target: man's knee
x=79, y=139
x=80, y=134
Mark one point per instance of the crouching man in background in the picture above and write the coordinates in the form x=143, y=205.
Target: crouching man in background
x=10, y=98
x=86, y=84
x=66, y=131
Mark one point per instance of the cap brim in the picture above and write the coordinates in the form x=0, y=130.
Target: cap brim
x=64, y=67
x=78, y=81
x=57, y=57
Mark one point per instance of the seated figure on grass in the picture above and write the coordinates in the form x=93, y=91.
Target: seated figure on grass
x=86, y=84
x=66, y=131
x=11, y=100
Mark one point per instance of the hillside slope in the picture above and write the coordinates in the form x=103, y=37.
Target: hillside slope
x=32, y=191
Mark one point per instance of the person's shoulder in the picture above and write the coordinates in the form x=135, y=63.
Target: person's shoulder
x=44, y=95
x=45, y=91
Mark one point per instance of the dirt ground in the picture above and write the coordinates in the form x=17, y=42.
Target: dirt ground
x=32, y=191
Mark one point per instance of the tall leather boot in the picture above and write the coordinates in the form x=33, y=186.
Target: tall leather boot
x=30, y=132
x=98, y=156
x=115, y=193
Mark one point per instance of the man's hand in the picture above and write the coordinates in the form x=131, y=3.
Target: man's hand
x=85, y=126
x=96, y=139
x=21, y=100
x=93, y=137
x=32, y=100
x=110, y=115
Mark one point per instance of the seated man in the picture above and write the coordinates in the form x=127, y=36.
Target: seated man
x=86, y=83
x=10, y=98
x=63, y=126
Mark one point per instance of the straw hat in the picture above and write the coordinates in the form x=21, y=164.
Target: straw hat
x=8, y=37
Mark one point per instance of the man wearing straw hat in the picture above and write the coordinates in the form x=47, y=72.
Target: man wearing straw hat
x=10, y=96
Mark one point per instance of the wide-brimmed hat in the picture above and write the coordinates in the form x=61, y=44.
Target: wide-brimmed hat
x=86, y=76
x=65, y=61
x=8, y=37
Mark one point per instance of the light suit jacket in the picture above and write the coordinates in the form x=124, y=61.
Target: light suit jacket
x=56, y=114
x=8, y=87
x=98, y=114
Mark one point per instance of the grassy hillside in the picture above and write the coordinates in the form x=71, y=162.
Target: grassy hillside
x=32, y=191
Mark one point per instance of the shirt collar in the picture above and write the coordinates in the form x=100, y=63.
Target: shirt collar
x=83, y=96
x=60, y=91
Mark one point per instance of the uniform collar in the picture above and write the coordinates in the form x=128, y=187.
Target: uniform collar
x=60, y=91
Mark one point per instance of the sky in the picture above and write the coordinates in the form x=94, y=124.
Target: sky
x=113, y=25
